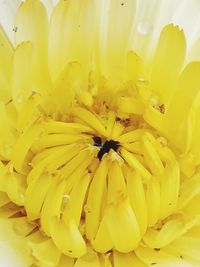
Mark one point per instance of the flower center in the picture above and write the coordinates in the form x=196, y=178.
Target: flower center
x=106, y=147
x=94, y=173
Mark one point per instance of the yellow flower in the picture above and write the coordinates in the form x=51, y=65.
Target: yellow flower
x=99, y=140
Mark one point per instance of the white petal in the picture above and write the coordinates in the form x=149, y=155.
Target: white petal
x=14, y=254
x=187, y=16
x=8, y=10
x=152, y=16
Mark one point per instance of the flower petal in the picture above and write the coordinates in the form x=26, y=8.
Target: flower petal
x=160, y=258
x=8, y=11
x=120, y=16
x=46, y=252
x=32, y=25
x=165, y=70
x=75, y=21
x=6, y=54
x=128, y=259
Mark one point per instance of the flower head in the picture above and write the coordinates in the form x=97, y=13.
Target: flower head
x=99, y=144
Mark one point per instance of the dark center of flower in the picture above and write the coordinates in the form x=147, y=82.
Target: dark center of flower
x=97, y=141
x=106, y=147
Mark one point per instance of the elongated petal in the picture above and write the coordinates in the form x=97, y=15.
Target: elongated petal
x=189, y=189
x=35, y=200
x=103, y=241
x=68, y=238
x=22, y=73
x=170, y=231
x=153, y=201
x=128, y=259
x=6, y=54
x=137, y=197
x=123, y=226
x=159, y=258
x=170, y=182
x=32, y=25
x=91, y=259
x=165, y=70
x=188, y=79
x=46, y=252
x=74, y=207
x=121, y=16
x=94, y=201
x=75, y=20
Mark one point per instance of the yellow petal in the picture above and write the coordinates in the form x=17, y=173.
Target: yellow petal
x=91, y=119
x=15, y=228
x=123, y=226
x=29, y=111
x=116, y=182
x=169, y=191
x=135, y=164
x=135, y=66
x=137, y=198
x=22, y=73
x=103, y=241
x=151, y=155
x=34, y=198
x=4, y=199
x=57, y=140
x=170, y=231
x=74, y=207
x=46, y=252
x=94, y=201
x=120, y=16
x=183, y=99
x=91, y=259
x=67, y=238
x=153, y=201
x=165, y=71
x=128, y=259
x=22, y=147
x=15, y=185
x=192, y=208
x=52, y=203
x=186, y=247
x=52, y=158
x=15, y=253
x=66, y=261
x=6, y=54
x=2, y=173
x=188, y=190
x=75, y=20
x=32, y=25
x=159, y=258
x=8, y=138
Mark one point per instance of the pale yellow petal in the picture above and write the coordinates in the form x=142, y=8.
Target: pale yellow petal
x=127, y=259
x=32, y=25
x=6, y=54
x=159, y=258
x=153, y=201
x=137, y=198
x=172, y=45
x=91, y=259
x=22, y=84
x=46, y=252
x=183, y=99
x=169, y=232
x=8, y=138
x=120, y=16
x=67, y=238
x=122, y=224
x=95, y=199
x=74, y=40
